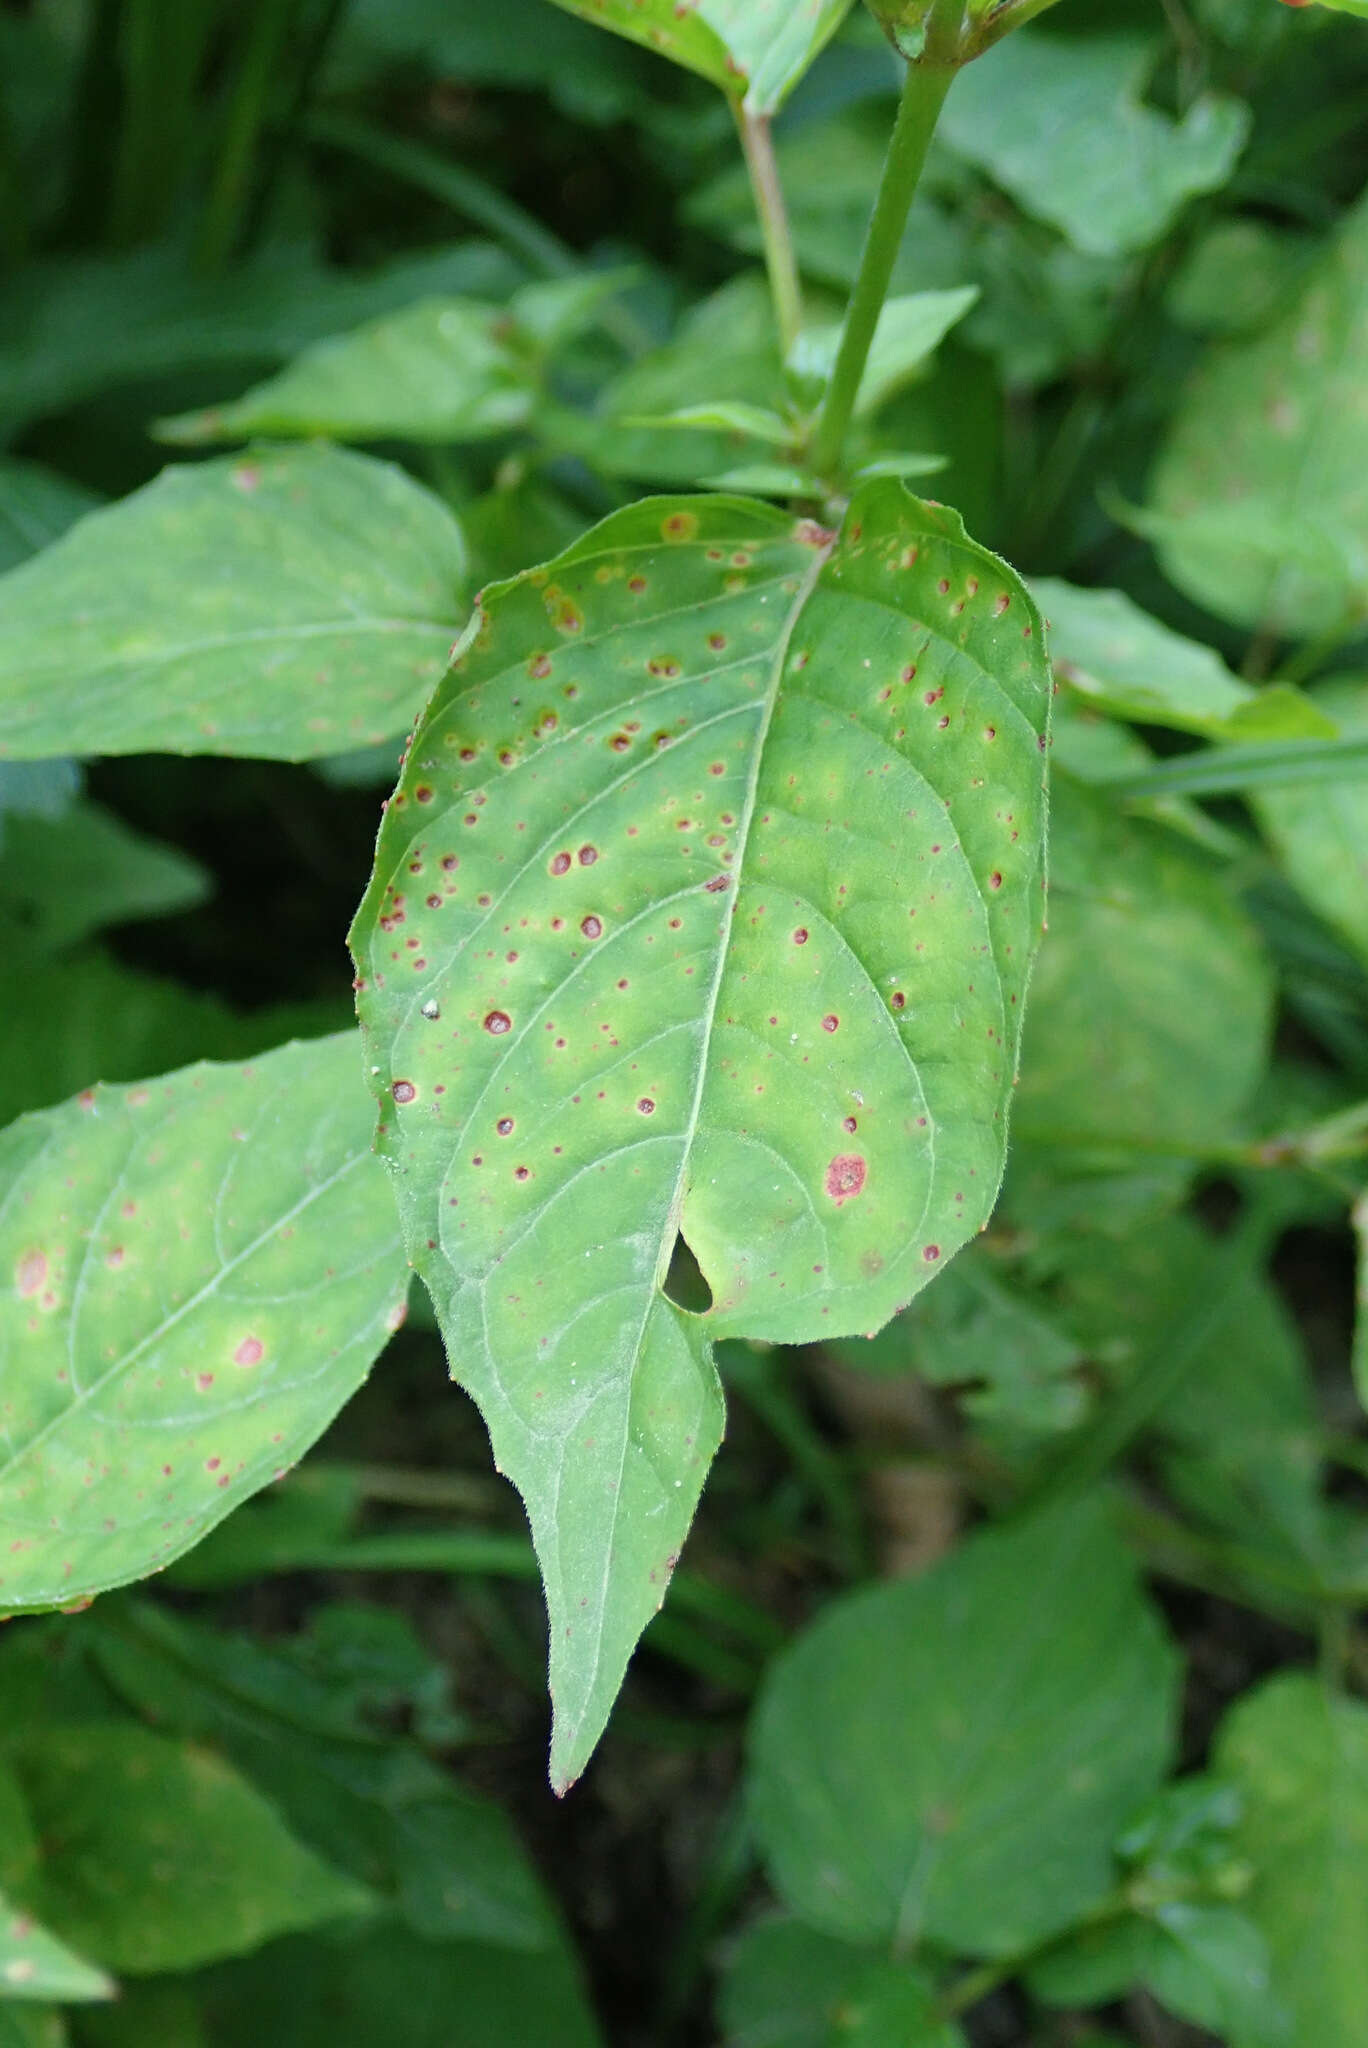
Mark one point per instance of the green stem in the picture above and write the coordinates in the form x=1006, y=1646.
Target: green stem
x=923, y=96
x=229, y=195
x=757, y=143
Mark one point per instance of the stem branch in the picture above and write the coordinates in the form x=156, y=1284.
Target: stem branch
x=757, y=143
x=923, y=95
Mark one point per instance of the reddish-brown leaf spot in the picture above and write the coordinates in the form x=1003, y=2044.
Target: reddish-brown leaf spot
x=497, y=1022
x=845, y=1177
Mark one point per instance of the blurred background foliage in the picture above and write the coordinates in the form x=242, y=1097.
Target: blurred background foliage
x=1133, y=1815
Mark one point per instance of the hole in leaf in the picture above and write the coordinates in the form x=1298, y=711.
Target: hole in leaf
x=685, y=1285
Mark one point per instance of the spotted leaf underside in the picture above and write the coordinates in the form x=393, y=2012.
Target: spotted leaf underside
x=704, y=908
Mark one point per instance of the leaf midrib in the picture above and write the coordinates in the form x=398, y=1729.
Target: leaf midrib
x=570, y=1730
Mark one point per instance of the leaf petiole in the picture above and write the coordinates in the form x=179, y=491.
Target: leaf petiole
x=757, y=143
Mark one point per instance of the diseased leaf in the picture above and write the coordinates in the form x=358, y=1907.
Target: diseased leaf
x=1133, y=666
x=1320, y=831
x=759, y=48
x=787, y=1986
x=1151, y=1006
x=939, y=1759
x=1299, y=1756
x=705, y=904
x=198, y=1271
x=285, y=604
x=158, y=1856
x=1060, y=123
x=1259, y=501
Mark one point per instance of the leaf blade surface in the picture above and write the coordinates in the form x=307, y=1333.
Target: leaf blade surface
x=198, y=1272
x=714, y=868
x=283, y=605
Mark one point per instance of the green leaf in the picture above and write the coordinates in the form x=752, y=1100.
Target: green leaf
x=36, y=506
x=724, y=351
x=158, y=1856
x=37, y=789
x=1320, y=833
x=974, y=1331
x=910, y=329
x=787, y=1986
x=63, y=878
x=35, y=1964
x=727, y=416
x=1181, y=1938
x=1237, y=277
x=448, y=1860
x=79, y=326
x=439, y=371
x=1220, y=771
x=200, y=1271
x=1299, y=1756
x=384, y=1984
x=520, y=46
x=759, y=48
x=1259, y=500
x=442, y=370
x=99, y=1020
x=1059, y=122
x=1207, y=1963
x=1120, y=658
x=31, y=2026
x=705, y=905
x=1151, y=1004
x=1241, y=1448
x=285, y=603
x=1360, y=1356
x=159, y=2009
x=940, y=1760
